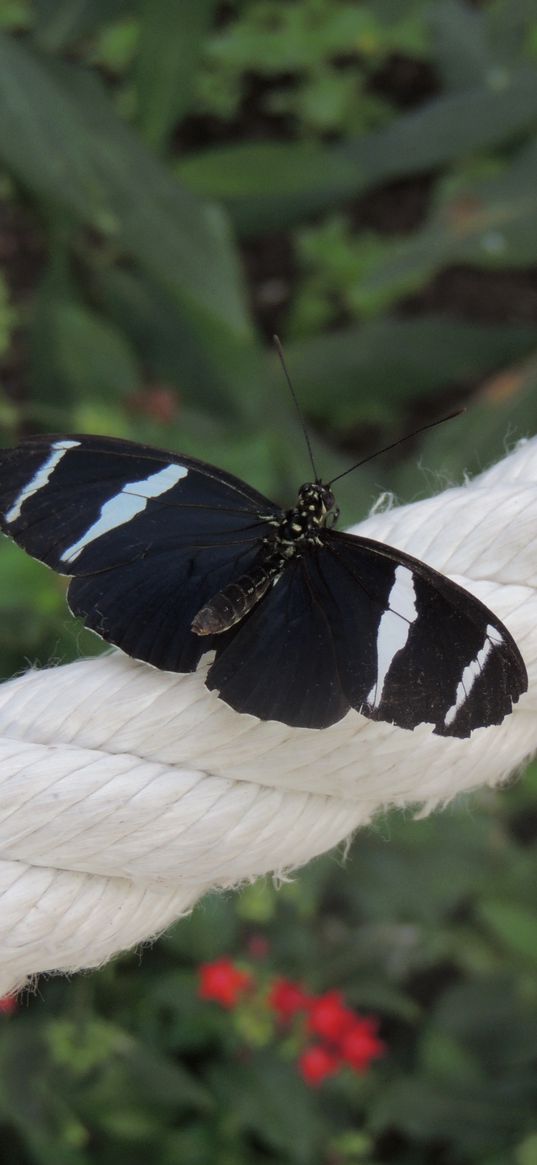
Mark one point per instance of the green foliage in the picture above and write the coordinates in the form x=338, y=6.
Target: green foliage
x=484, y=221
x=130, y=1062
x=15, y=14
x=172, y=34
x=306, y=40
x=179, y=180
x=7, y=317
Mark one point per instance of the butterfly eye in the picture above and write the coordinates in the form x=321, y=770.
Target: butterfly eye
x=332, y=517
x=329, y=500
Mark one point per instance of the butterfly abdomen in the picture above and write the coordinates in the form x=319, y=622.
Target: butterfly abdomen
x=235, y=600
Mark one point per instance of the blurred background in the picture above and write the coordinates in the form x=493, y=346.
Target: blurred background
x=179, y=179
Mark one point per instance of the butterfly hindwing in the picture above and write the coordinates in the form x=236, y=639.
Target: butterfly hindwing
x=279, y=663
x=147, y=605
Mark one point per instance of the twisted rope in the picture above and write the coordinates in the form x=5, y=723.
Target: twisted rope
x=127, y=793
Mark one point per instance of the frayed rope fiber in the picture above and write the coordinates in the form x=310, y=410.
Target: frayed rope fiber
x=128, y=793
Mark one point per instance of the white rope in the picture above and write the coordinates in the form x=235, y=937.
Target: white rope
x=126, y=793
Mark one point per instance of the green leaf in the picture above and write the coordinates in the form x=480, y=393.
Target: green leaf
x=172, y=34
x=41, y=137
x=304, y=179
x=210, y=931
x=60, y=137
x=352, y=1147
x=444, y=1057
x=24, y=583
x=514, y=926
x=462, y=52
x=32, y=1098
x=488, y=222
x=504, y=409
x=265, y=1098
x=449, y=127
x=493, y=1021
x=114, y=51
x=78, y=355
x=478, y=1118
x=16, y=14
x=60, y=22
x=526, y=1151
x=8, y=316
x=257, y=902
x=385, y=364
x=511, y=27
x=148, y=315
x=307, y=179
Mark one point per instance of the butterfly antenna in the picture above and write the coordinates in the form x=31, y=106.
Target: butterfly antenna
x=279, y=350
x=386, y=448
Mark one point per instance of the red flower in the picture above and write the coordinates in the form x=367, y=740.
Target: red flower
x=316, y=1063
x=361, y=1044
x=286, y=998
x=329, y=1017
x=223, y=982
x=343, y=1038
x=8, y=1004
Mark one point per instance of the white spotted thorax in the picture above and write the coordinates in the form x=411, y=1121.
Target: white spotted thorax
x=300, y=526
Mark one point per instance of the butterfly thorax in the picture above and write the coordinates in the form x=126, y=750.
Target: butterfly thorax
x=301, y=525
x=291, y=534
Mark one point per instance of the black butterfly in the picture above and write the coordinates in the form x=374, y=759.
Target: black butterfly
x=171, y=558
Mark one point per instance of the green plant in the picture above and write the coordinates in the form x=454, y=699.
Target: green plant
x=179, y=181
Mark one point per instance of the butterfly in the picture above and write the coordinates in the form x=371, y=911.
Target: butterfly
x=171, y=558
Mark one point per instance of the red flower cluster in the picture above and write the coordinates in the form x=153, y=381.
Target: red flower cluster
x=8, y=1004
x=223, y=982
x=341, y=1038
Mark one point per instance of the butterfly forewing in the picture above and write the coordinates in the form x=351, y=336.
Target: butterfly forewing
x=147, y=536
x=82, y=504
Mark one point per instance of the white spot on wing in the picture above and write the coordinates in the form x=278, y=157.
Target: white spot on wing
x=43, y=475
x=394, y=629
x=472, y=671
x=127, y=504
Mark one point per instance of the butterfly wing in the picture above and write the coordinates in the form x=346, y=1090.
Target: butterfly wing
x=148, y=536
x=279, y=663
x=357, y=624
x=411, y=646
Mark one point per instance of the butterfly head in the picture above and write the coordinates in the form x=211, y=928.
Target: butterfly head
x=313, y=510
x=316, y=501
